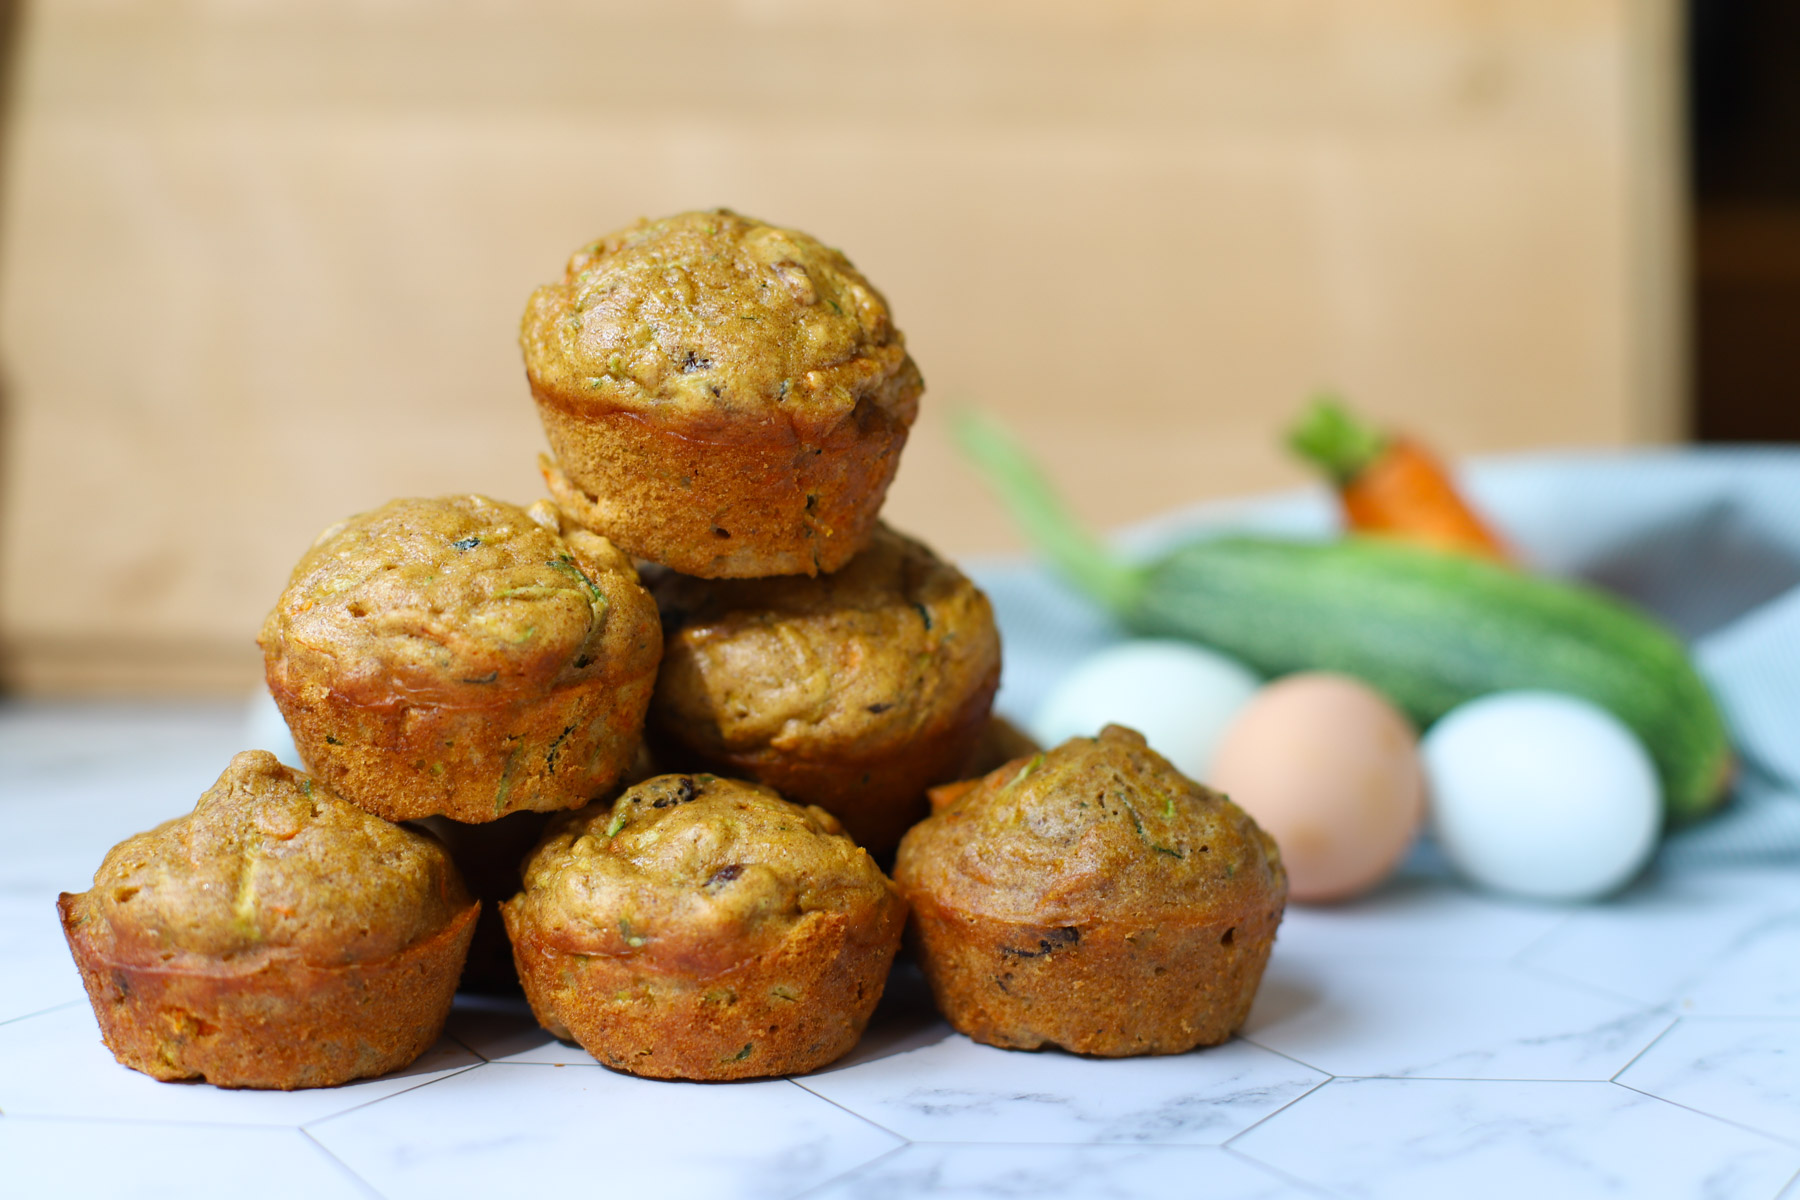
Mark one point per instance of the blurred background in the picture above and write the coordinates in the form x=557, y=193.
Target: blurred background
x=262, y=261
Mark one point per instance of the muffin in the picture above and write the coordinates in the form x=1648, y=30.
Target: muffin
x=461, y=657
x=723, y=396
x=854, y=691
x=703, y=928
x=1093, y=898
x=275, y=937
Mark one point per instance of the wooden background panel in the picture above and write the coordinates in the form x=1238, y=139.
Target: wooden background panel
x=262, y=263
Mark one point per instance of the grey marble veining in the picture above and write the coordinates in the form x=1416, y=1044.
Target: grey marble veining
x=956, y=1090
x=1670, y=934
x=1746, y=1071
x=1062, y=1173
x=1399, y=1139
x=1450, y=1021
x=486, y=1130
x=1755, y=975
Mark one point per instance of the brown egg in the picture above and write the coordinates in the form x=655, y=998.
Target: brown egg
x=1331, y=769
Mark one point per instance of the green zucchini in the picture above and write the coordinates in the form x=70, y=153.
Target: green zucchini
x=1429, y=629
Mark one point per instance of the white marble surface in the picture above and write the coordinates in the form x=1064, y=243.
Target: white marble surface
x=1427, y=1041
x=1058, y=1172
x=1444, y=1021
x=151, y=1160
x=1687, y=940
x=1432, y=1139
x=54, y=1065
x=36, y=975
x=1746, y=1071
x=583, y=1127
x=955, y=1090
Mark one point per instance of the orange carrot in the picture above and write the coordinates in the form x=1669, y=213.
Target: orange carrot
x=1392, y=485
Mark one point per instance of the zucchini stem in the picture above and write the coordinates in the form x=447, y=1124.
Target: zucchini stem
x=1330, y=436
x=1025, y=492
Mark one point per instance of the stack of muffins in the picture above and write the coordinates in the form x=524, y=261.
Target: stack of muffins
x=709, y=615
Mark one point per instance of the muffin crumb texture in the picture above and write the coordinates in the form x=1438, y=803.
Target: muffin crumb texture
x=1093, y=897
x=275, y=937
x=704, y=928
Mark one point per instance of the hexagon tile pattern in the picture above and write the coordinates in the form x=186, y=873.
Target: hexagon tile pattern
x=1427, y=1041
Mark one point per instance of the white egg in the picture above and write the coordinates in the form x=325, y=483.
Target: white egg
x=1541, y=795
x=1178, y=695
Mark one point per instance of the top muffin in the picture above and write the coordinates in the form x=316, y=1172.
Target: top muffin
x=706, y=316
x=723, y=396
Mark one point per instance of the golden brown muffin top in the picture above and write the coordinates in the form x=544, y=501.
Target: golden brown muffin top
x=272, y=860
x=458, y=601
x=706, y=316
x=1096, y=827
x=695, y=872
x=861, y=659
